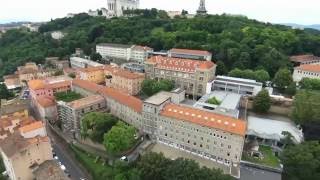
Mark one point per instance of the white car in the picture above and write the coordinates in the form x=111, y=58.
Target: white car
x=62, y=167
x=124, y=158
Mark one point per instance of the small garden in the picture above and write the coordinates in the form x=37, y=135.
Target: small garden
x=214, y=101
x=267, y=157
x=68, y=96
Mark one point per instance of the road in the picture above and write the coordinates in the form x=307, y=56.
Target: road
x=249, y=173
x=61, y=148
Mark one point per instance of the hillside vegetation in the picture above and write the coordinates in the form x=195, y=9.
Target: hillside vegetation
x=236, y=41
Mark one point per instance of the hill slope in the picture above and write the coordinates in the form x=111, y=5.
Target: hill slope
x=235, y=41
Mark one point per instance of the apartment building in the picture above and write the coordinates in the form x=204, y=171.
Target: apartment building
x=9, y=124
x=14, y=108
x=46, y=107
x=235, y=85
x=48, y=87
x=190, y=75
x=304, y=59
x=190, y=54
x=92, y=74
x=77, y=62
x=70, y=114
x=31, y=71
x=25, y=149
x=306, y=71
x=12, y=81
x=110, y=50
x=121, y=51
x=123, y=80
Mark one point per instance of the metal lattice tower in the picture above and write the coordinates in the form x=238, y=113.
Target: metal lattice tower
x=202, y=8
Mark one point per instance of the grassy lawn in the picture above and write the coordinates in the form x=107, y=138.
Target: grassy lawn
x=98, y=170
x=269, y=158
x=67, y=96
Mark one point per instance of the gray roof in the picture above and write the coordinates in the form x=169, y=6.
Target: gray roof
x=115, y=45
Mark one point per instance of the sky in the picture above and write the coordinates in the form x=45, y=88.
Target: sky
x=304, y=12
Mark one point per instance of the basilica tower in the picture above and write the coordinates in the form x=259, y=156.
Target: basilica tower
x=202, y=8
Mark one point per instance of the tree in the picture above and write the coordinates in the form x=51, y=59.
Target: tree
x=120, y=138
x=153, y=166
x=262, y=102
x=95, y=124
x=4, y=92
x=262, y=76
x=184, y=12
x=310, y=84
x=287, y=140
x=291, y=89
x=301, y=162
x=72, y=75
x=95, y=57
x=151, y=87
x=283, y=79
x=221, y=68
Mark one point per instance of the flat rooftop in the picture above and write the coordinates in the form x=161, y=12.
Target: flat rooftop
x=228, y=100
x=86, y=101
x=158, y=98
x=238, y=80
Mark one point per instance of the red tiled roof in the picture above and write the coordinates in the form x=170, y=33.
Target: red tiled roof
x=36, y=84
x=177, y=64
x=303, y=58
x=190, y=51
x=46, y=101
x=93, y=87
x=310, y=68
x=123, y=98
x=91, y=69
x=31, y=127
x=205, y=118
x=142, y=48
x=59, y=84
x=115, y=71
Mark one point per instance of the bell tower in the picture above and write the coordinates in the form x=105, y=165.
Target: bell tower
x=202, y=8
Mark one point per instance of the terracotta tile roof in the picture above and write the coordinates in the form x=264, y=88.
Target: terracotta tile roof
x=91, y=69
x=93, y=87
x=46, y=101
x=11, y=76
x=177, y=64
x=87, y=101
x=205, y=118
x=59, y=84
x=310, y=68
x=31, y=127
x=190, y=51
x=36, y=84
x=15, y=143
x=122, y=98
x=303, y=58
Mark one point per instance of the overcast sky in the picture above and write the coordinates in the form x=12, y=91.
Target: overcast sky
x=275, y=11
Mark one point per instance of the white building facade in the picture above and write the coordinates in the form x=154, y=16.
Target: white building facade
x=306, y=71
x=77, y=62
x=116, y=7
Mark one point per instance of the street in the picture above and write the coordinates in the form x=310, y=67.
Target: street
x=249, y=173
x=61, y=148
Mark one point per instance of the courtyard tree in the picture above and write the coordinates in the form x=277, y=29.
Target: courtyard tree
x=153, y=166
x=262, y=102
x=302, y=161
x=151, y=87
x=120, y=138
x=95, y=124
x=4, y=92
x=282, y=79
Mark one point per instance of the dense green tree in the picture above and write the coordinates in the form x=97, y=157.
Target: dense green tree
x=301, y=162
x=95, y=124
x=291, y=89
x=310, y=84
x=221, y=68
x=95, y=57
x=262, y=102
x=283, y=79
x=72, y=75
x=153, y=166
x=4, y=92
x=261, y=76
x=120, y=138
x=306, y=107
x=151, y=87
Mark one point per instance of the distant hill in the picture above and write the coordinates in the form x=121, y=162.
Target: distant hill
x=299, y=26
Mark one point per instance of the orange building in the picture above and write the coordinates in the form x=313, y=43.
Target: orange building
x=92, y=74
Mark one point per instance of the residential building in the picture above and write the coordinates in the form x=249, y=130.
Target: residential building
x=206, y=134
x=306, y=71
x=12, y=81
x=304, y=59
x=8, y=125
x=77, y=62
x=228, y=103
x=46, y=108
x=116, y=7
x=190, y=75
x=140, y=53
x=49, y=170
x=92, y=74
x=56, y=63
x=190, y=54
x=70, y=114
x=14, y=108
x=235, y=85
x=123, y=80
x=25, y=149
x=118, y=51
x=38, y=88
x=134, y=67
x=126, y=52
